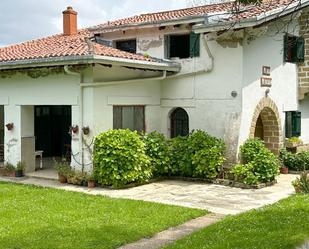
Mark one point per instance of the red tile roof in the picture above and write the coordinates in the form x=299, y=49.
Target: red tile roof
x=61, y=45
x=80, y=44
x=247, y=11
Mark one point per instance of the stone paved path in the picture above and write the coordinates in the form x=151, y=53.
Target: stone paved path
x=215, y=198
x=175, y=233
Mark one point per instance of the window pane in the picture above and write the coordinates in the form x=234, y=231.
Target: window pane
x=128, y=117
x=117, y=117
x=139, y=118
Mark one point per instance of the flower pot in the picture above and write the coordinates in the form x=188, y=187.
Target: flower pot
x=284, y=170
x=84, y=184
x=19, y=173
x=62, y=178
x=297, y=189
x=91, y=183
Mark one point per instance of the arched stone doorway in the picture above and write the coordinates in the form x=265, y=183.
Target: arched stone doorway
x=266, y=125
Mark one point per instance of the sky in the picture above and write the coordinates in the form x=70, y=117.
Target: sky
x=23, y=20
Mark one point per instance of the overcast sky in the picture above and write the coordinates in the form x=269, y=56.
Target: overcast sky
x=22, y=20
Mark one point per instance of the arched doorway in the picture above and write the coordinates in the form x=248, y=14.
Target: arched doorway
x=179, y=123
x=266, y=125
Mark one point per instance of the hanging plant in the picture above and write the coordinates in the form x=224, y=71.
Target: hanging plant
x=74, y=129
x=10, y=126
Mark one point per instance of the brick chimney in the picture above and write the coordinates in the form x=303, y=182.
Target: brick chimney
x=69, y=21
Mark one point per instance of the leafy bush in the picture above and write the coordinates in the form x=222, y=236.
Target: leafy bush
x=261, y=162
x=251, y=149
x=293, y=161
x=157, y=149
x=295, y=140
x=62, y=167
x=198, y=155
x=120, y=158
x=301, y=184
x=244, y=173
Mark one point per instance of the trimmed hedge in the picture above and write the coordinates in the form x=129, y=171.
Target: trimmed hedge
x=120, y=158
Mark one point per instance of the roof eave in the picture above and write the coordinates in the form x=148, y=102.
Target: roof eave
x=183, y=20
x=250, y=22
x=89, y=59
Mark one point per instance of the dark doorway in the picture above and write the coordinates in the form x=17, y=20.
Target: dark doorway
x=179, y=123
x=52, y=130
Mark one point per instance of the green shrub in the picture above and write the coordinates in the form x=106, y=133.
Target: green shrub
x=250, y=149
x=208, y=162
x=198, y=155
x=244, y=173
x=157, y=149
x=119, y=158
x=263, y=164
x=180, y=157
x=293, y=161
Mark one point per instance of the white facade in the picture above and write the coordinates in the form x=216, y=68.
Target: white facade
x=204, y=86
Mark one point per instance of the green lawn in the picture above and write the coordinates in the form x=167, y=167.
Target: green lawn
x=280, y=226
x=33, y=217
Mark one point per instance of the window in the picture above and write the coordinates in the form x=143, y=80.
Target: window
x=127, y=45
x=179, y=123
x=292, y=124
x=294, y=49
x=182, y=46
x=129, y=117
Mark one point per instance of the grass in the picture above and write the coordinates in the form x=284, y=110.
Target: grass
x=283, y=225
x=33, y=217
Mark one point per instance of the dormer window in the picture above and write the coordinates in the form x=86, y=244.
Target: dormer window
x=126, y=45
x=182, y=46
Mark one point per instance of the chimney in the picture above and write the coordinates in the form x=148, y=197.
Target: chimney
x=69, y=21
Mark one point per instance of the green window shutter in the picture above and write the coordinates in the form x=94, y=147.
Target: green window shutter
x=285, y=48
x=167, y=40
x=296, y=124
x=194, y=44
x=288, y=124
x=300, y=49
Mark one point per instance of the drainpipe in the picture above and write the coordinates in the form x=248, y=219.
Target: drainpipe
x=81, y=112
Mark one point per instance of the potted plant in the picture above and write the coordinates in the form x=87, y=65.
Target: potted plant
x=91, y=181
x=63, y=169
x=8, y=170
x=284, y=170
x=301, y=184
x=19, y=172
x=70, y=176
x=293, y=142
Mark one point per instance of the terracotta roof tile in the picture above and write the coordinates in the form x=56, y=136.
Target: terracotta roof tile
x=247, y=11
x=61, y=45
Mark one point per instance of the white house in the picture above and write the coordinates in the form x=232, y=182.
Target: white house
x=233, y=71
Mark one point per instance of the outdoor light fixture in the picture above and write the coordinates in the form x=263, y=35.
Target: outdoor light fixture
x=10, y=126
x=86, y=130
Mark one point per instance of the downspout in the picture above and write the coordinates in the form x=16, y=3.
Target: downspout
x=81, y=112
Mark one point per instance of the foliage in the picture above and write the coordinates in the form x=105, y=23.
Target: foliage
x=251, y=149
x=302, y=183
x=157, y=149
x=9, y=167
x=76, y=177
x=198, y=155
x=295, y=140
x=295, y=161
x=120, y=158
x=20, y=166
x=62, y=167
x=244, y=173
x=73, y=220
x=258, y=160
x=282, y=225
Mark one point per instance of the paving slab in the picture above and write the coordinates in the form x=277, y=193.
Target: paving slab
x=215, y=198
